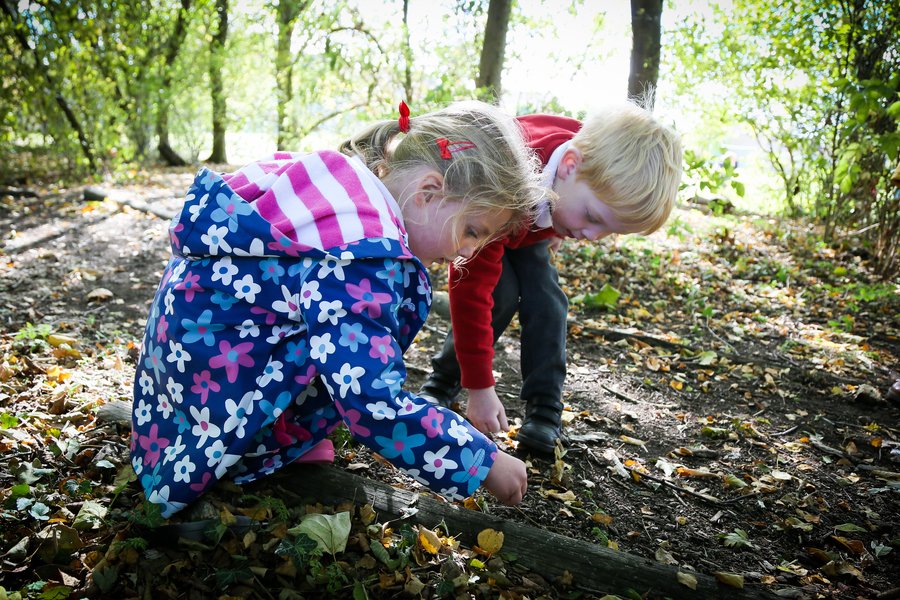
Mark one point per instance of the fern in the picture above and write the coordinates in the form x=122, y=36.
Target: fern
x=737, y=539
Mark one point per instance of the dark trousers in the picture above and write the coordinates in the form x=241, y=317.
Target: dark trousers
x=528, y=284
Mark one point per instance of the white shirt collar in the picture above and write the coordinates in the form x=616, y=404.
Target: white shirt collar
x=544, y=218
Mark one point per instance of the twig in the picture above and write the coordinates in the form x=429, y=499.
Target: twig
x=715, y=335
x=833, y=451
x=618, y=394
x=616, y=334
x=787, y=431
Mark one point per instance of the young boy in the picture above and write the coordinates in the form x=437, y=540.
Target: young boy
x=618, y=173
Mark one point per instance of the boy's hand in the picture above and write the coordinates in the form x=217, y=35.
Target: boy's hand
x=507, y=480
x=553, y=246
x=486, y=412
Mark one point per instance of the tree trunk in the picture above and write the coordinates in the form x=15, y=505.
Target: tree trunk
x=288, y=13
x=490, y=68
x=645, y=49
x=166, y=152
x=407, y=56
x=217, y=85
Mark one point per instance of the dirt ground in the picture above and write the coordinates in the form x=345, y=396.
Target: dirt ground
x=728, y=414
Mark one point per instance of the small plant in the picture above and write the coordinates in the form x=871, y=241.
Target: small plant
x=737, y=539
x=678, y=228
x=32, y=337
x=844, y=323
x=601, y=536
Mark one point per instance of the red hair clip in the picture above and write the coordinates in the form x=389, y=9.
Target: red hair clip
x=403, y=121
x=448, y=148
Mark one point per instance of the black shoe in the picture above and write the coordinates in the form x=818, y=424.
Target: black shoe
x=441, y=391
x=542, y=426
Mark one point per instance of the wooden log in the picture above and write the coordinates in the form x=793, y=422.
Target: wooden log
x=594, y=569
x=18, y=192
x=115, y=411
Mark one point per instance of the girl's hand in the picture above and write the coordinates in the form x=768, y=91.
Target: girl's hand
x=507, y=480
x=486, y=412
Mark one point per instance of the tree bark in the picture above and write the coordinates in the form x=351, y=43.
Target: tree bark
x=288, y=13
x=407, y=56
x=166, y=152
x=217, y=85
x=646, y=16
x=490, y=67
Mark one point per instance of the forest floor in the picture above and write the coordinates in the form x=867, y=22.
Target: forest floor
x=727, y=413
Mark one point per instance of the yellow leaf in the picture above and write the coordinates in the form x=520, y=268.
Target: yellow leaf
x=471, y=503
x=430, y=541
x=686, y=472
x=601, y=518
x=366, y=514
x=58, y=374
x=490, y=540
x=676, y=385
x=66, y=351
x=732, y=579
x=687, y=579
x=567, y=496
x=631, y=440
x=56, y=340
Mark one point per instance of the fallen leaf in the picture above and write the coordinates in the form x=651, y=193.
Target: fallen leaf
x=731, y=579
x=56, y=340
x=490, y=540
x=631, y=440
x=781, y=475
x=602, y=518
x=567, y=496
x=330, y=532
x=855, y=546
x=686, y=472
x=429, y=540
x=686, y=579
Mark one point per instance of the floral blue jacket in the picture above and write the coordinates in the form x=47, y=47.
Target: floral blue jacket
x=257, y=346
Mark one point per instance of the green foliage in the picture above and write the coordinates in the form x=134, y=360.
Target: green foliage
x=601, y=535
x=820, y=100
x=715, y=175
x=147, y=514
x=606, y=298
x=32, y=338
x=737, y=539
x=300, y=550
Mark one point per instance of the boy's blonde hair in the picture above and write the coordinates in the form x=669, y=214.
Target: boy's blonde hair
x=491, y=171
x=632, y=162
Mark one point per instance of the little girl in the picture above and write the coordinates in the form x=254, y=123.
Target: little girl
x=295, y=286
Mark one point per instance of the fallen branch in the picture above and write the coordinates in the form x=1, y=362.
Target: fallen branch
x=594, y=568
x=618, y=334
x=18, y=193
x=119, y=197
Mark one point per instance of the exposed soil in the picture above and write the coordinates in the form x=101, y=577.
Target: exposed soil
x=729, y=414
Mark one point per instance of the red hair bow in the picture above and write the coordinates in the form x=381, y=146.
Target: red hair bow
x=447, y=147
x=403, y=121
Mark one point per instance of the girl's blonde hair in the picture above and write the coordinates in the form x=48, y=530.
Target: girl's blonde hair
x=489, y=166
x=632, y=162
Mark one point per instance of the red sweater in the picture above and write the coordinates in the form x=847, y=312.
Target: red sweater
x=471, y=291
